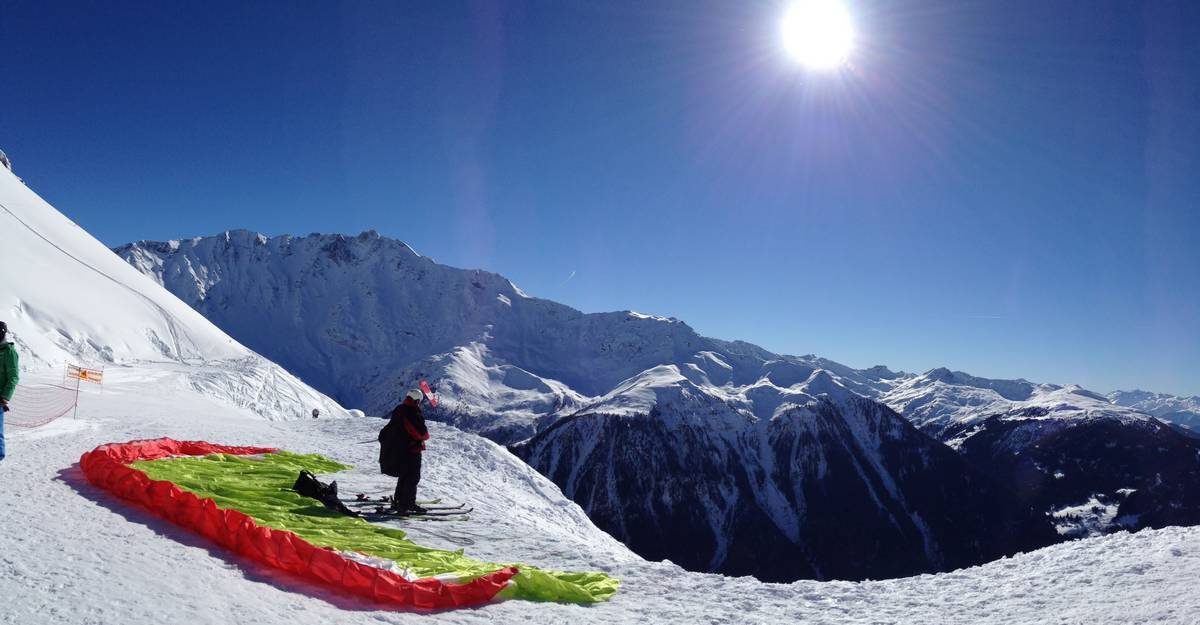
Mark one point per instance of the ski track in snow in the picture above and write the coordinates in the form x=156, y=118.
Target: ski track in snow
x=72, y=554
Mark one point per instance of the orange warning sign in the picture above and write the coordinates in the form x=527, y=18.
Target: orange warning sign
x=95, y=376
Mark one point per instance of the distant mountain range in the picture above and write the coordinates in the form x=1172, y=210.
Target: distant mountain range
x=1184, y=411
x=718, y=455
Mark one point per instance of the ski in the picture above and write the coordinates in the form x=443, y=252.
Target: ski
x=367, y=506
x=449, y=506
x=437, y=503
x=385, y=518
x=425, y=518
x=455, y=512
x=434, y=512
x=382, y=514
x=364, y=498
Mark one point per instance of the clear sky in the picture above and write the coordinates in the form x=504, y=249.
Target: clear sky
x=1010, y=188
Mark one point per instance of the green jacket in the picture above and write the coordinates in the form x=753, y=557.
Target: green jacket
x=9, y=373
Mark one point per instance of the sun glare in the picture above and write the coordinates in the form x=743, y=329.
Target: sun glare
x=817, y=33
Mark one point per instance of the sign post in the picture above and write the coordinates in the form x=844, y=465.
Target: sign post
x=83, y=374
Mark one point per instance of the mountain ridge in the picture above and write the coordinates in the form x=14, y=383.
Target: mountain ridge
x=152, y=258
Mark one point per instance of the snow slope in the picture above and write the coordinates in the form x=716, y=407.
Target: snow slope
x=77, y=556
x=68, y=298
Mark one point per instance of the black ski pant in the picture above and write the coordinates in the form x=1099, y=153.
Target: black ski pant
x=406, y=483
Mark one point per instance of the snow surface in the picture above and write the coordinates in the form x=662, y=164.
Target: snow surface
x=72, y=554
x=1096, y=516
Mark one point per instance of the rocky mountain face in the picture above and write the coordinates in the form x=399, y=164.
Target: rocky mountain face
x=1094, y=475
x=1094, y=465
x=717, y=454
x=833, y=486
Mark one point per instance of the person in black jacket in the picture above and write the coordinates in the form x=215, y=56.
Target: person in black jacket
x=401, y=442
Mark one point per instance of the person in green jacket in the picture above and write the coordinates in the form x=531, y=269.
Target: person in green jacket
x=8, y=377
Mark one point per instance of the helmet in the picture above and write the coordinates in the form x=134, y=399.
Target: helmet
x=415, y=395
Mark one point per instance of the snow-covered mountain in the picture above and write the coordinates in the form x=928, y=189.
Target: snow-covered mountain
x=1095, y=473
x=353, y=315
x=1095, y=465
x=943, y=402
x=364, y=317
x=831, y=486
x=67, y=298
x=1184, y=411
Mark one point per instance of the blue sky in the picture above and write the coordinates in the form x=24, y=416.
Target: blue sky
x=1008, y=188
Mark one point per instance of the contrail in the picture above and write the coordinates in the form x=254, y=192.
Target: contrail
x=568, y=278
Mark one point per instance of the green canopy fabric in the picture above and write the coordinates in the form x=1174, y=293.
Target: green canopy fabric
x=260, y=487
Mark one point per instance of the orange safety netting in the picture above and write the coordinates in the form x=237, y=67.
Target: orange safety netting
x=39, y=404
x=107, y=467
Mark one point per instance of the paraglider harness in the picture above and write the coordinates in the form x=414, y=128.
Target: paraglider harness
x=308, y=485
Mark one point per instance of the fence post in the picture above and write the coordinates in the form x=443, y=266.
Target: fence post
x=75, y=408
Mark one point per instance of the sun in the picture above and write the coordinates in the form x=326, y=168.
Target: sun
x=818, y=33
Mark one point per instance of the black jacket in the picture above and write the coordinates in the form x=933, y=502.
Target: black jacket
x=404, y=436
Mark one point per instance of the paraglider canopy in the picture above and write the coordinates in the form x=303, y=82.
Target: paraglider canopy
x=433, y=400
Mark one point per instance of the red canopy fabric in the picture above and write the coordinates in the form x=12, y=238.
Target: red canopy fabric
x=107, y=467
